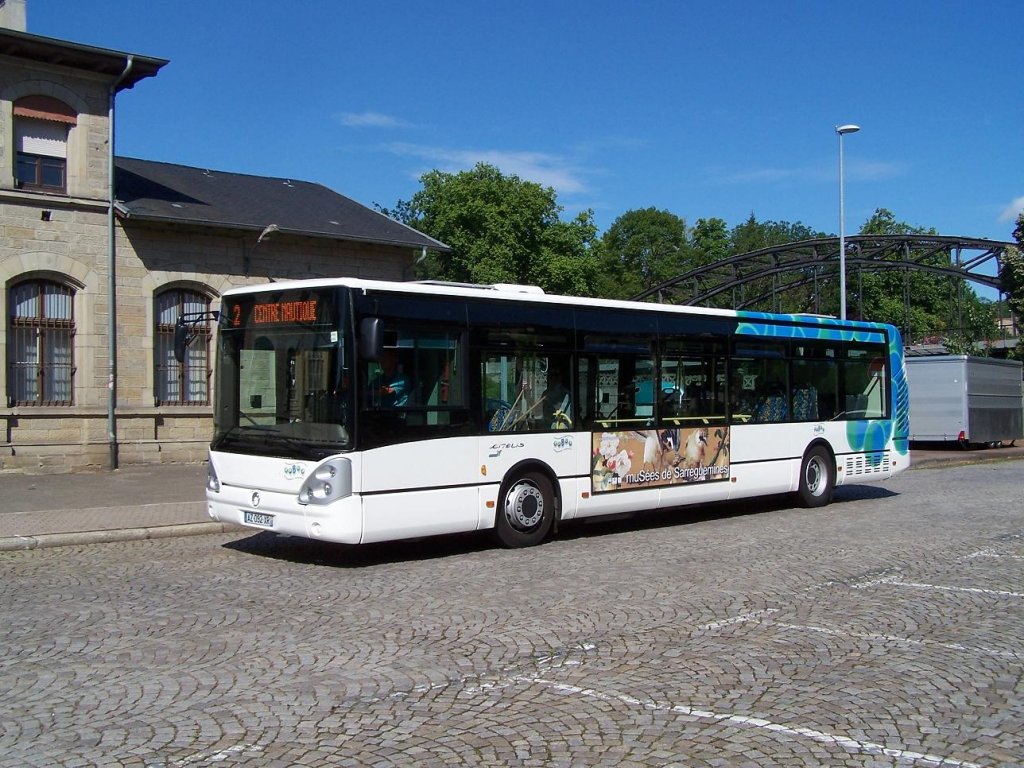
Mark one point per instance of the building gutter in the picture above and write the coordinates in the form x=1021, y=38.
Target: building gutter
x=112, y=272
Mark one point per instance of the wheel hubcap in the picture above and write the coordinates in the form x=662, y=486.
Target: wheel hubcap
x=524, y=507
x=814, y=476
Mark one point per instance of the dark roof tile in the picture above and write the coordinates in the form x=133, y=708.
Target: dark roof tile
x=153, y=191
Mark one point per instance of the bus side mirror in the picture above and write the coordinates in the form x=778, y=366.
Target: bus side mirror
x=371, y=338
x=180, y=339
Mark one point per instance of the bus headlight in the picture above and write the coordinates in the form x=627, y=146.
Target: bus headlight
x=212, y=481
x=329, y=482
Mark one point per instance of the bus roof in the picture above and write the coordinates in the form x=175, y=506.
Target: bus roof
x=532, y=294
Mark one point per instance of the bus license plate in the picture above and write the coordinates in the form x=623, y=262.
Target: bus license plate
x=258, y=518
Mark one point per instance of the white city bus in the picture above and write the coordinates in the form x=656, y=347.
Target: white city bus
x=360, y=411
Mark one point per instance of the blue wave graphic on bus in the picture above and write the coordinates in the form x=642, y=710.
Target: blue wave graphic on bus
x=869, y=436
x=826, y=329
x=900, y=393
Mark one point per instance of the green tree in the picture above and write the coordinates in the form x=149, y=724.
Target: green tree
x=880, y=295
x=1011, y=277
x=568, y=262
x=710, y=242
x=501, y=229
x=753, y=235
x=641, y=249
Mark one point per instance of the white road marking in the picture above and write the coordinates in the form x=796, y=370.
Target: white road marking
x=902, y=640
x=993, y=554
x=748, y=721
x=946, y=588
x=220, y=755
x=741, y=619
x=896, y=580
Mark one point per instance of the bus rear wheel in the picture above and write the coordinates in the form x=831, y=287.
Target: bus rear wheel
x=527, y=511
x=817, y=477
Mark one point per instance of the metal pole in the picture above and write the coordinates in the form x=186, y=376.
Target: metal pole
x=112, y=275
x=842, y=130
x=842, y=238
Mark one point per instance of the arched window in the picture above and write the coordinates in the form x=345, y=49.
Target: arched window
x=40, y=344
x=41, y=125
x=187, y=382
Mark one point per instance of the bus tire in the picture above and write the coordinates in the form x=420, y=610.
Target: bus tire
x=527, y=511
x=817, y=477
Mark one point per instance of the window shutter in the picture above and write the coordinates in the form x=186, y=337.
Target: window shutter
x=38, y=137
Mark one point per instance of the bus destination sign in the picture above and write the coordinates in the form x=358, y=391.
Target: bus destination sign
x=285, y=312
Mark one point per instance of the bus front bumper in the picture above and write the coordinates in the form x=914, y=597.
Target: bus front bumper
x=340, y=521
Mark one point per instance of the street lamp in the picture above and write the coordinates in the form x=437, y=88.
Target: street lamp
x=842, y=130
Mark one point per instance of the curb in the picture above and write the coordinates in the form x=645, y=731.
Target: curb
x=959, y=462
x=47, y=540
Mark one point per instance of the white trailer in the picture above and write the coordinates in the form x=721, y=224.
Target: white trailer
x=969, y=400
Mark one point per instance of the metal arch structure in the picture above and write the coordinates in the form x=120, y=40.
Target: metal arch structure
x=816, y=262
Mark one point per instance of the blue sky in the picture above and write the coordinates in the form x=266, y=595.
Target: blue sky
x=720, y=108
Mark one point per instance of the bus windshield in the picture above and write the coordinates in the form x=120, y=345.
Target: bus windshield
x=283, y=373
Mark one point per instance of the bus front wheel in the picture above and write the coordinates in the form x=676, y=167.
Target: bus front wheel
x=527, y=511
x=817, y=477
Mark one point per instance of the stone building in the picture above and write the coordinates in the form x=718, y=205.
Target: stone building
x=176, y=236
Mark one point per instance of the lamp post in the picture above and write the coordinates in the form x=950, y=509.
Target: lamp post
x=842, y=130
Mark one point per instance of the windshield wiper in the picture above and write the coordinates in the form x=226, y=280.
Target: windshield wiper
x=298, y=436
x=269, y=434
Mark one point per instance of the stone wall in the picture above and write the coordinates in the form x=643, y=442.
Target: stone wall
x=149, y=259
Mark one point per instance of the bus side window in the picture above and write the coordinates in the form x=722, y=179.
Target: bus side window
x=585, y=393
x=418, y=374
x=624, y=397
x=388, y=384
x=692, y=373
x=863, y=383
x=557, y=402
x=815, y=381
x=765, y=373
x=513, y=384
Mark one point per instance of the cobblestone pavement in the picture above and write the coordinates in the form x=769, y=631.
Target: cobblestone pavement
x=882, y=630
